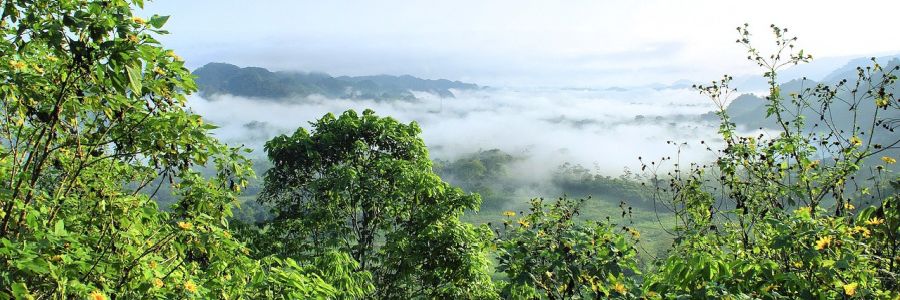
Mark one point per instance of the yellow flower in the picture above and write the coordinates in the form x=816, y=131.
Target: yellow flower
x=850, y=288
x=803, y=211
x=855, y=141
x=849, y=206
x=634, y=233
x=96, y=295
x=17, y=65
x=138, y=20
x=185, y=225
x=157, y=283
x=874, y=221
x=132, y=38
x=798, y=264
x=619, y=288
x=524, y=223
x=174, y=56
x=190, y=286
x=882, y=102
x=153, y=265
x=823, y=242
x=888, y=160
x=813, y=164
x=509, y=213
x=865, y=231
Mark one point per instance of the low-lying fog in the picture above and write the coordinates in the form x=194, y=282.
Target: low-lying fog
x=603, y=129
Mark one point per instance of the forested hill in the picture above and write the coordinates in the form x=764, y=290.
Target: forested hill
x=222, y=78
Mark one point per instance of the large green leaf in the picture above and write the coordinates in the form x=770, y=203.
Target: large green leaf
x=134, y=79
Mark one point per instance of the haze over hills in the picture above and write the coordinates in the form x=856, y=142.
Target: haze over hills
x=223, y=78
x=828, y=69
x=749, y=109
x=233, y=98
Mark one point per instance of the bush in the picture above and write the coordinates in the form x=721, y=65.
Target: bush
x=546, y=254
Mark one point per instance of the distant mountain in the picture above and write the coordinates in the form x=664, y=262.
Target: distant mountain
x=829, y=69
x=222, y=78
x=848, y=71
x=749, y=110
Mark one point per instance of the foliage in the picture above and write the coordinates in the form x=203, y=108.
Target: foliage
x=578, y=180
x=484, y=172
x=94, y=125
x=93, y=111
x=547, y=254
x=364, y=185
x=797, y=256
x=776, y=215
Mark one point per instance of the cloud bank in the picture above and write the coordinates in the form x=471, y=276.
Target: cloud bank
x=596, y=128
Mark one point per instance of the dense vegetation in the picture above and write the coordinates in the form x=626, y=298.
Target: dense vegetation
x=363, y=185
x=95, y=124
x=93, y=112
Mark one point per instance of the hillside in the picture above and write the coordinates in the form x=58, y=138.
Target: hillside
x=223, y=78
x=749, y=110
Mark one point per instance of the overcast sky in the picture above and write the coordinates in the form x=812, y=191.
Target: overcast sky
x=517, y=42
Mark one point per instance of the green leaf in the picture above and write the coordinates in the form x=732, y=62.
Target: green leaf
x=20, y=291
x=158, y=21
x=60, y=228
x=134, y=79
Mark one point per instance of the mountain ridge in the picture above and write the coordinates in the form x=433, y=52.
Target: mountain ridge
x=257, y=82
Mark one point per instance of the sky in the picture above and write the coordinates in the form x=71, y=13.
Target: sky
x=517, y=43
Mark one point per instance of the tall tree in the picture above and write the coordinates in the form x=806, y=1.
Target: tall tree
x=364, y=185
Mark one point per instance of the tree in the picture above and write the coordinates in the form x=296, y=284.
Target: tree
x=364, y=185
x=93, y=112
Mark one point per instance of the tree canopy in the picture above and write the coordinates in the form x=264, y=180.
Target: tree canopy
x=94, y=122
x=93, y=111
x=364, y=185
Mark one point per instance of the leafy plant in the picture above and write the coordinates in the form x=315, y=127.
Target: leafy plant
x=547, y=254
x=93, y=112
x=775, y=215
x=364, y=185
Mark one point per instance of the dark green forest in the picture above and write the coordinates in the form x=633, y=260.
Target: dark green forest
x=222, y=78
x=111, y=188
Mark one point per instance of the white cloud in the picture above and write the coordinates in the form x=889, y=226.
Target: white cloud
x=514, y=42
x=550, y=126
